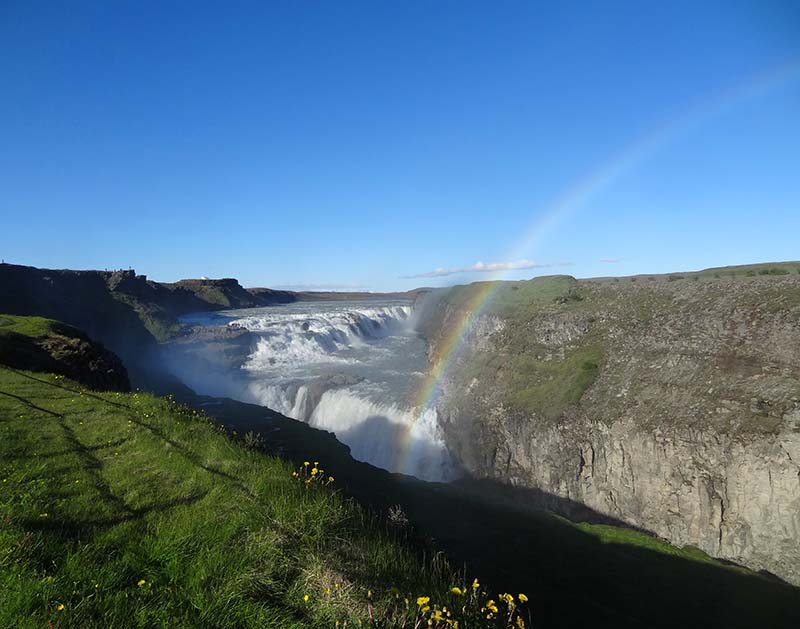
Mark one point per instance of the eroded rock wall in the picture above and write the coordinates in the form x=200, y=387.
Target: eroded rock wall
x=691, y=428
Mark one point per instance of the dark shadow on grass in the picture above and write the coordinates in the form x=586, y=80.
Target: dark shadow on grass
x=83, y=392
x=504, y=536
x=192, y=458
x=31, y=404
x=69, y=530
x=133, y=417
x=78, y=529
x=92, y=466
x=105, y=446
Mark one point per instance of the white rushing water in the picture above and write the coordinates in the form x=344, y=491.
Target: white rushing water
x=352, y=368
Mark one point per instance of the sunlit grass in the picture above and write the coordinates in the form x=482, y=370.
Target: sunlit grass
x=29, y=326
x=125, y=509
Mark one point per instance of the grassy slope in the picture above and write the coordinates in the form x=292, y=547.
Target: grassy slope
x=35, y=327
x=101, y=491
x=157, y=322
x=577, y=575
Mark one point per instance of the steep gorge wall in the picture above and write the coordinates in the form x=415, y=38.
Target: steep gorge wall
x=686, y=421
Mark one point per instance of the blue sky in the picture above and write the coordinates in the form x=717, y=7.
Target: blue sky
x=358, y=144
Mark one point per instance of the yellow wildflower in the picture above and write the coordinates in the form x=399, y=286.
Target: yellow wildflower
x=330, y=479
x=522, y=597
x=305, y=598
x=491, y=606
x=141, y=582
x=60, y=607
x=423, y=600
x=314, y=471
x=520, y=622
x=306, y=463
x=456, y=590
x=42, y=515
x=475, y=584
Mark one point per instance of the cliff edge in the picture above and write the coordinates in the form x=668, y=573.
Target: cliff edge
x=671, y=403
x=43, y=345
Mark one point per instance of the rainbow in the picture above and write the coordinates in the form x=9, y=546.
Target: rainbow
x=576, y=197
x=449, y=345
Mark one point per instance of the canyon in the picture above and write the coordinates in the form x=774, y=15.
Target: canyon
x=669, y=404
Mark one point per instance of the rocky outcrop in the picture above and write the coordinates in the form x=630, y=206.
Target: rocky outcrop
x=689, y=427
x=66, y=351
x=126, y=311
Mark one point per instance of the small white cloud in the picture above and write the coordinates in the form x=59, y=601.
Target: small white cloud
x=484, y=267
x=610, y=260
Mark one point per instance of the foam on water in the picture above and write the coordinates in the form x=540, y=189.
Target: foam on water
x=303, y=338
x=349, y=368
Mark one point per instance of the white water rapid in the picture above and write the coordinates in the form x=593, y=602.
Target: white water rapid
x=352, y=368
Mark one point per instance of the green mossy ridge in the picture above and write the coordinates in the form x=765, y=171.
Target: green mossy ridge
x=34, y=327
x=137, y=488
x=548, y=387
x=161, y=325
x=515, y=298
x=213, y=295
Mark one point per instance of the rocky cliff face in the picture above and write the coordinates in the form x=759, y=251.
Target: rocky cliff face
x=673, y=406
x=126, y=311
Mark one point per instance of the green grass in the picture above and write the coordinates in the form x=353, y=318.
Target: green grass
x=128, y=510
x=530, y=382
x=774, y=271
x=750, y=270
x=547, y=387
x=634, y=539
x=35, y=327
x=213, y=295
x=514, y=298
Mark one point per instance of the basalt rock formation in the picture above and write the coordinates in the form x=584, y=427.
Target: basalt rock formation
x=671, y=403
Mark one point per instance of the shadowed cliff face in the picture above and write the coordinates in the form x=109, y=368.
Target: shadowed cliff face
x=127, y=312
x=671, y=405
